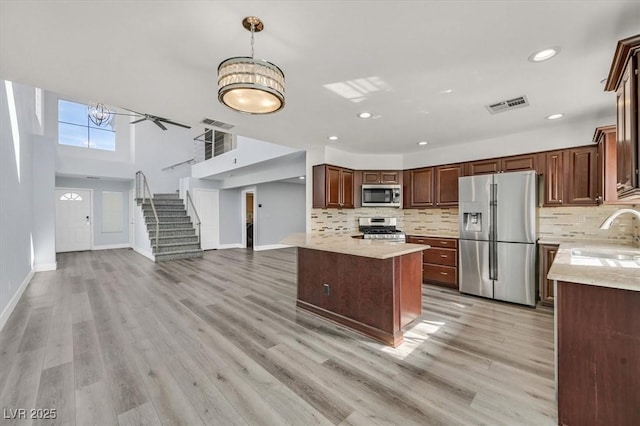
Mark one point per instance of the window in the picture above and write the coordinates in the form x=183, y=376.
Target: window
x=75, y=128
x=71, y=196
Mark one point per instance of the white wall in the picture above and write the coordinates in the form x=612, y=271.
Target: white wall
x=547, y=137
x=156, y=149
x=280, y=213
x=103, y=239
x=248, y=151
x=16, y=193
x=231, y=217
x=44, y=202
x=333, y=155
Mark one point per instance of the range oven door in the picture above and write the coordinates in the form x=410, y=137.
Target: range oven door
x=381, y=196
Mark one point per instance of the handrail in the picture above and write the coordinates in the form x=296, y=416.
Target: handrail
x=141, y=178
x=189, y=161
x=197, y=216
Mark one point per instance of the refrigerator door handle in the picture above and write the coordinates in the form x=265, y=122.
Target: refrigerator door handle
x=491, y=254
x=493, y=221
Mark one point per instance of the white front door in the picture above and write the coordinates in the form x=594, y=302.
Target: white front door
x=207, y=206
x=73, y=220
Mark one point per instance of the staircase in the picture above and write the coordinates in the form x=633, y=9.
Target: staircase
x=177, y=238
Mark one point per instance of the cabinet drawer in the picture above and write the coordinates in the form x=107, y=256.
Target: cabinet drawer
x=416, y=240
x=441, y=256
x=442, y=274
x=433, y=242
x=442, y=242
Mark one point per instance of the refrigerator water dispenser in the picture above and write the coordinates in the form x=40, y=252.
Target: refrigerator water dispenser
x=472, y=222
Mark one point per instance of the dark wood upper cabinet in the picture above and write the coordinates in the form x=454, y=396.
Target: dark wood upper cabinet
x=482, y=167
x=446, y=185
x=381, y=176
x=623, y=79
x=514, y=163
x=518, y=163
x=332, y=187
x=605, y=138
x=418, y=188
x=554, y=178
x=581, y=186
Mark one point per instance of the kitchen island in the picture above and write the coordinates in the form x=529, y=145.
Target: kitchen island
x=597, y=311
x=371, y=286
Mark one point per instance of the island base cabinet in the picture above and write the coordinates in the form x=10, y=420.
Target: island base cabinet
x=376, y=297
x=598, y=355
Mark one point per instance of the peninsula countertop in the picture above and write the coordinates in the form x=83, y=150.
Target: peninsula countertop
x=596, y=271
x=353, y=246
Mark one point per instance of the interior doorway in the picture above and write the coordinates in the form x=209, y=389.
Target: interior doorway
x=248, y=215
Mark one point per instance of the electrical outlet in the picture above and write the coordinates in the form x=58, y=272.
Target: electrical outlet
x=326, y=290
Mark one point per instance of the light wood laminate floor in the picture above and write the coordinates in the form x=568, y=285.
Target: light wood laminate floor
x=112, y=338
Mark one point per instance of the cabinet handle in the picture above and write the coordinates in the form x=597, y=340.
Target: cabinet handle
x=444, y=256
x=444, y=242
x=443, y=273
x=421, y=241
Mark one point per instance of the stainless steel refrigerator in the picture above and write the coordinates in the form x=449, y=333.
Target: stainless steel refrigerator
x=498, y=236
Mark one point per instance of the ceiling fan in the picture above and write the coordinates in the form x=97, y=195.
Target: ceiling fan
x=101, y=115
x=158, y=121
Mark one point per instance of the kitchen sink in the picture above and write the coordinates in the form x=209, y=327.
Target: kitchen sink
x=606, y=254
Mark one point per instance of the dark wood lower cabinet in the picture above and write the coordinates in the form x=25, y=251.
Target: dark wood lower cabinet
x=547, y=254
x=440, y=262
x=598, y=355
x=377, y=297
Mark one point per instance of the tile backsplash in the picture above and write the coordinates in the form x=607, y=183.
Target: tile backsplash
x=583, y=223
x=554, y=223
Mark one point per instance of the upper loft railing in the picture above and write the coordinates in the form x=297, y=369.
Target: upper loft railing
x=142, y=189
x=212, y=143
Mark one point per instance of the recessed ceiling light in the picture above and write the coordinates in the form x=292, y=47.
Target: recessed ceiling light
x=333, y=138
x=422, y=143
x=301, y=177
x=555, y=116
x=364, y=115
x=446, y=91
x=544, y=55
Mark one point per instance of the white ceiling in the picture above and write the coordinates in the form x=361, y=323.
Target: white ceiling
x=161, y=58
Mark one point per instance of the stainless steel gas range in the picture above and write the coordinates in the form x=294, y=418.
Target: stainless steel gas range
x=381, y=228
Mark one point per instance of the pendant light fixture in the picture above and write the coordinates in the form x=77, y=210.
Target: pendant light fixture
x=249, y=85
x=99, y=114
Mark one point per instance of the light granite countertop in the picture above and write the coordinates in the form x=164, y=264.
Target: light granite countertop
x=357, y=247
x=597, y=271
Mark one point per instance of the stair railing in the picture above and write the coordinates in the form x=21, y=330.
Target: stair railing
x=193, y=207
x=142, y=188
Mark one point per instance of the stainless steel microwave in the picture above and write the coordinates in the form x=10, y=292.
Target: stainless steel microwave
x=381, y=196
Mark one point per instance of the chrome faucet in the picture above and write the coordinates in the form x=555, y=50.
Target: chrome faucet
x=608, y=221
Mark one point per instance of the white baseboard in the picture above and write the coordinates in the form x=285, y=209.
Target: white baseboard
x=14, y=300
x=111, y=246
x=145, y=253
x=271, y=247
x=42, y=267
x=228, y=246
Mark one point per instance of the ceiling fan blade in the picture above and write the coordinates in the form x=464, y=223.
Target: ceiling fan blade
x=138, y=120
x=174, y=123
x=159, y=124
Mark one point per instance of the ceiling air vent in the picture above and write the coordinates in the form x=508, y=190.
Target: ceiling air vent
x=216, y=123
x=508, y=105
